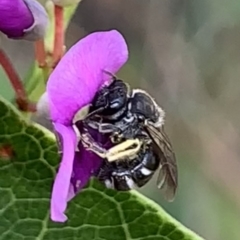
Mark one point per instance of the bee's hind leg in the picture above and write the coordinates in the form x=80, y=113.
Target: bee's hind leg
x=120, y=151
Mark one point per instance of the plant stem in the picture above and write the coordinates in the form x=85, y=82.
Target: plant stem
x=41, y=58
x=21, y=96
x=58, y=35
x=40, y=53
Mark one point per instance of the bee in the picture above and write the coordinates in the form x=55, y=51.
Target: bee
x=138, y=145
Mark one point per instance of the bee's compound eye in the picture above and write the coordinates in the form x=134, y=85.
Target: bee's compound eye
x=112, y=100
x=100, y=99
x=118, y=95
x=122, y=92
x=116, y=101
x=117, y=104
x=100, y=102
x=117, y=98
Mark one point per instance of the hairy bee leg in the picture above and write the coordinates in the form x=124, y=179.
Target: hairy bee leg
x=91, y=145
x=117, y=152
x=114, y=153
x=124, y=145
x=103, y=127
x=101, y=152
x=120, y=151
x=107, y=128
x=121, y=155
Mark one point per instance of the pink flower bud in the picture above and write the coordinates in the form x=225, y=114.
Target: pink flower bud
x=23, y=19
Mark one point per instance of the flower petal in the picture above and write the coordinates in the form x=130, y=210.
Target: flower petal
x=80, y=73
x=61, y=187
x=85, y=165
x=42, y=115
x=71, y=193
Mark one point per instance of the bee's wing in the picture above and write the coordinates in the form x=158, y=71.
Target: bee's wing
x=168, y=175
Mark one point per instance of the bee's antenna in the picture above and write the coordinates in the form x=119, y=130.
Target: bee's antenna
x=110, y=74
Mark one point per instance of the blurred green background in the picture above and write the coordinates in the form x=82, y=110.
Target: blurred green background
x=186, y=53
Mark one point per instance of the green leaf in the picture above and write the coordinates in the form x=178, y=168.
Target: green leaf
x=26, y=179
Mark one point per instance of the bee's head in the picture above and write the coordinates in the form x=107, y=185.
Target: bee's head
x=111, y=101
x=117, y=97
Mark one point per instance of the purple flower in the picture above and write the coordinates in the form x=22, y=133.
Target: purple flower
x=71, y=86
x=25, y=19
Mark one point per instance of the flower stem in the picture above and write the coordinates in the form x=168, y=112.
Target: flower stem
x=40, y=53
x=21, y=96
x=58, y=35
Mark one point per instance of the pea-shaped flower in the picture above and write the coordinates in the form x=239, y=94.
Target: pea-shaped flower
x=71, y=86
x=23, y=19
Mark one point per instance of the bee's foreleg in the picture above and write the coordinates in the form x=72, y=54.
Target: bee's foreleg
x=91, y=145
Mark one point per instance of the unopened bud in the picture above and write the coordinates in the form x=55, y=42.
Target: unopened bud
x=23, y=19
x=38, y=29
